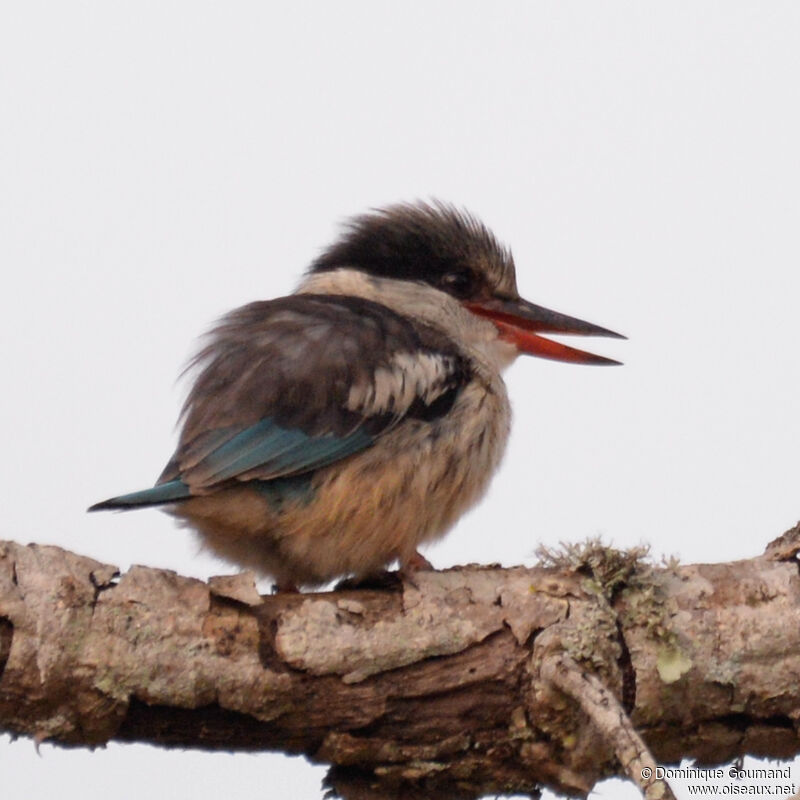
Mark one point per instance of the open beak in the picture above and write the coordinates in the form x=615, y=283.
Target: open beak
x=520, y=322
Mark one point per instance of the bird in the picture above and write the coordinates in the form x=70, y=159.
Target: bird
x=332, y=432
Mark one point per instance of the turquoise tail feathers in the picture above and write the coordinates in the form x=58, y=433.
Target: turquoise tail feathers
x=171, y=492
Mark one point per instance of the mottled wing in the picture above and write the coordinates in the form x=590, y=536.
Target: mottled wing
x=287, y=386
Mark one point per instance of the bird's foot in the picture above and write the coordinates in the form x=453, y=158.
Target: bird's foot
x=379, y=581
x=411, y=566
x=285, y=588
x=388, y=580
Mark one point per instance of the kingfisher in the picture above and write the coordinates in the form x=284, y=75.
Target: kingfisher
x=331, y=432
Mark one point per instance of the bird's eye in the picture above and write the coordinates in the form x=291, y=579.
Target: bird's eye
x=459, y=284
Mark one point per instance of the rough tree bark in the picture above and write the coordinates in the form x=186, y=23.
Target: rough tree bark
x=471, y=681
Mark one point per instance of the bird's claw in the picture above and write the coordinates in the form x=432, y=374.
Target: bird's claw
x=411, y=566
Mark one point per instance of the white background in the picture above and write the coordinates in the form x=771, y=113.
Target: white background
x=163, y=162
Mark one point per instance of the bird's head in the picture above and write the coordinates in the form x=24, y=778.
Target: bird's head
x=453, y=252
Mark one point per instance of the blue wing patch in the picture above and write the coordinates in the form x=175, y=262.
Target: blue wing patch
x=266, y=451
x=170, y=492
x=279, y=462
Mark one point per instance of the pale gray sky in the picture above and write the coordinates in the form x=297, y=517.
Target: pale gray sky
x=163, y=162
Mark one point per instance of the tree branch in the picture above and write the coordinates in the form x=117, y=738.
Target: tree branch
x=473, y=681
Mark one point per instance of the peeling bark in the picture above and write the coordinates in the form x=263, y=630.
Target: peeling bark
x=471, y=681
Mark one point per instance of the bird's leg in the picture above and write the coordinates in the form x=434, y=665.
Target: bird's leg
x=388, y=580
x=415, y=563
x=377, y=580
x=285, y=588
